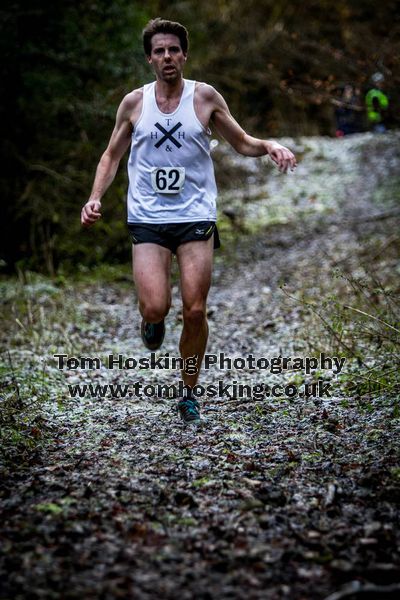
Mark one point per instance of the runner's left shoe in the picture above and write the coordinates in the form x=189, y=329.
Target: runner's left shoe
x=152, y=334
x=189, y=411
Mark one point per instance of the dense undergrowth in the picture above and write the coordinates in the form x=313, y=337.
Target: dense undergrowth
x=358, y=316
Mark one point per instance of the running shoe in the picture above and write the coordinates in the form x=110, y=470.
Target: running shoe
x=152, y=334
x=189, y=410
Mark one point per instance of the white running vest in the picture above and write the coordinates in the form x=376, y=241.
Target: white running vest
x=171, y=174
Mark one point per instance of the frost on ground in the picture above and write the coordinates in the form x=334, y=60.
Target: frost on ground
x=270, y=498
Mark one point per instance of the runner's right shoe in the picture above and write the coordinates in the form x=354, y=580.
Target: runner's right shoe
x=152, y=334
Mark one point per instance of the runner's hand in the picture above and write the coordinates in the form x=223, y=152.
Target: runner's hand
x=90, y=212
x=283, y=157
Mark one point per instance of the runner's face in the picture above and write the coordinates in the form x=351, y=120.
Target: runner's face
x=166, y=56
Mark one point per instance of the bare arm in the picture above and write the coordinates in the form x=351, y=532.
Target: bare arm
x=109, y=162
x=243, y=143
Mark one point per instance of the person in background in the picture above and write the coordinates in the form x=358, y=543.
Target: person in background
x=377, y=104
x=349, y=111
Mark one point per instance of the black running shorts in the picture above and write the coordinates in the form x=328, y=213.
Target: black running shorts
x=173, y=235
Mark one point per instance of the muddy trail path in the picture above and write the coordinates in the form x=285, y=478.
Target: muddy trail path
x=271, y=498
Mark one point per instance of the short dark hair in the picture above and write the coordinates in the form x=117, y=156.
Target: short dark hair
x=159, y=25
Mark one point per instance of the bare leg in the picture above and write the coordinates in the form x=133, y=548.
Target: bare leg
x=195, y=264
x=151, y=265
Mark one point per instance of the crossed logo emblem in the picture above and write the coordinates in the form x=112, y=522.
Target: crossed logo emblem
x=168, y=135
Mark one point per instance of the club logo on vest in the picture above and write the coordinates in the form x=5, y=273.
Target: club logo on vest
x=168, y=135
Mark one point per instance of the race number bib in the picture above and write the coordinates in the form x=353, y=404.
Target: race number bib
x=168, y=180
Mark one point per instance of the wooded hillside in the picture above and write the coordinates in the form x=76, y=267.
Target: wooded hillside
x=68, y=65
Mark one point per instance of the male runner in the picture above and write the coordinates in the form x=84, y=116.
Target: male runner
x=172, y=191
